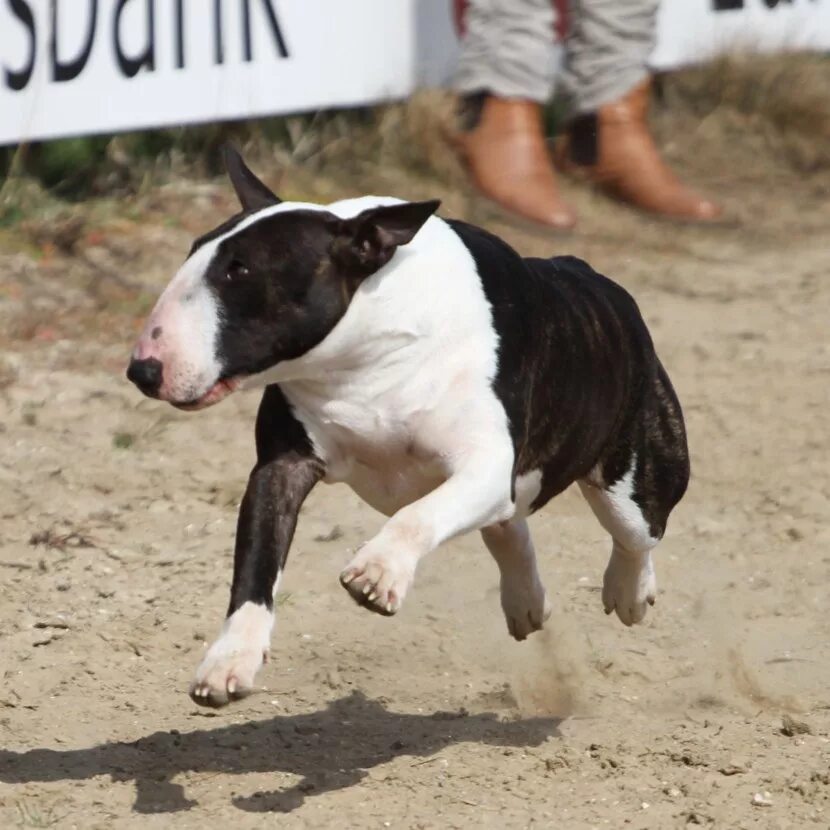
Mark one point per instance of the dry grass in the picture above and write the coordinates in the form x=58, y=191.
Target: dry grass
x=61, y=539
x=418, y=135
x=779, y=103
x=413, y=138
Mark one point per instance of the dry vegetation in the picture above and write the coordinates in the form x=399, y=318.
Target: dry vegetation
x=783, y=100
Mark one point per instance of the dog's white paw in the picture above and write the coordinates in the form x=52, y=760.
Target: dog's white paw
x=629, y=586
x=378, y=582
x=222, y=678
x=526, y=608
x=228, y=669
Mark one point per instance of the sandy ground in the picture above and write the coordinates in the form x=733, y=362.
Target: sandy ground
x=116, y=524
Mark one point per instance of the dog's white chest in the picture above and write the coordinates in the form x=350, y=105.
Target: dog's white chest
x=378, y=451
x=393, y=481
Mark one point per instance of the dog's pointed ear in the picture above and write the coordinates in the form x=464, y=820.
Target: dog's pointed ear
x=368, y=241
x=252, y=193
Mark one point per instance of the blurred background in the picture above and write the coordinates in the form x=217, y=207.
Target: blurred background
x=116, y=112
x=682, y=148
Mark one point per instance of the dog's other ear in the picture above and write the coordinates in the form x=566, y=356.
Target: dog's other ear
x=368, y=241
x=252, y=193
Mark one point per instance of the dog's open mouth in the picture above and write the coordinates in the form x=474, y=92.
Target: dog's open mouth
x=220, y=390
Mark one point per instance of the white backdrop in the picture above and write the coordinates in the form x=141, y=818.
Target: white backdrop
x=328, y=53
x=693, y=30
x=340, y=52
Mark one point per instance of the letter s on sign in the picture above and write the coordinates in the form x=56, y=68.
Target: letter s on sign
x=18, y=80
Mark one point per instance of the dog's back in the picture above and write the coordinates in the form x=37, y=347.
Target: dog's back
x=575, y=357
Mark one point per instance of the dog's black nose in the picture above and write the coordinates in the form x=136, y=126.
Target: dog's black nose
x=146, y=375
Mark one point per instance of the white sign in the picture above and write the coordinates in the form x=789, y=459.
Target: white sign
x=690, y=31
x=70, y=67
x=85, y=66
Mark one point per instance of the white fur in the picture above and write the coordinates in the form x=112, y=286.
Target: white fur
x=523, y=598
x=629, y=583
x=528, y=486
x=231, y=663
x=187, y=315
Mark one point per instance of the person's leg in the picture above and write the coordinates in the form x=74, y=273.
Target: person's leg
x=607, y=79
x=608, y=47
x=506, y=50
x=505, y=74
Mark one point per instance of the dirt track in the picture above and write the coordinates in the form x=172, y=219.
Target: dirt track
x=115, y=551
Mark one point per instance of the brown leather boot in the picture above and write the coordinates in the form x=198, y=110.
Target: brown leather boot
x=509, y=161
x=614, y=148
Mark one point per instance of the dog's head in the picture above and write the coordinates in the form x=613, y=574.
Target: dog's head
x=266, y=286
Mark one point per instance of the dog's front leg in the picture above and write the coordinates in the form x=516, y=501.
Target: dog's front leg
x=476, y=494
x=285, y=473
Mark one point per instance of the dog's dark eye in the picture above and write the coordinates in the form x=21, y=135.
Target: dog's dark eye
x=237, y=270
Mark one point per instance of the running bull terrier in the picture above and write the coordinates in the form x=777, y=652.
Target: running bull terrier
x=453, y=384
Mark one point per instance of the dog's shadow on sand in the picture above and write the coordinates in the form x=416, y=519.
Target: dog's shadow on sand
x=330, y=749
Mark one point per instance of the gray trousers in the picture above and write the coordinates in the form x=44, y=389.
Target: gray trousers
x=508, y=50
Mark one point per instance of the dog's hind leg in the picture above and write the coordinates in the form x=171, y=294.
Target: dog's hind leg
x=523, y=597
x=632, y=491
x=629, y=584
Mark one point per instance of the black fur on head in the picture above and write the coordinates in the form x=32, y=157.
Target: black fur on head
x=284, y=281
